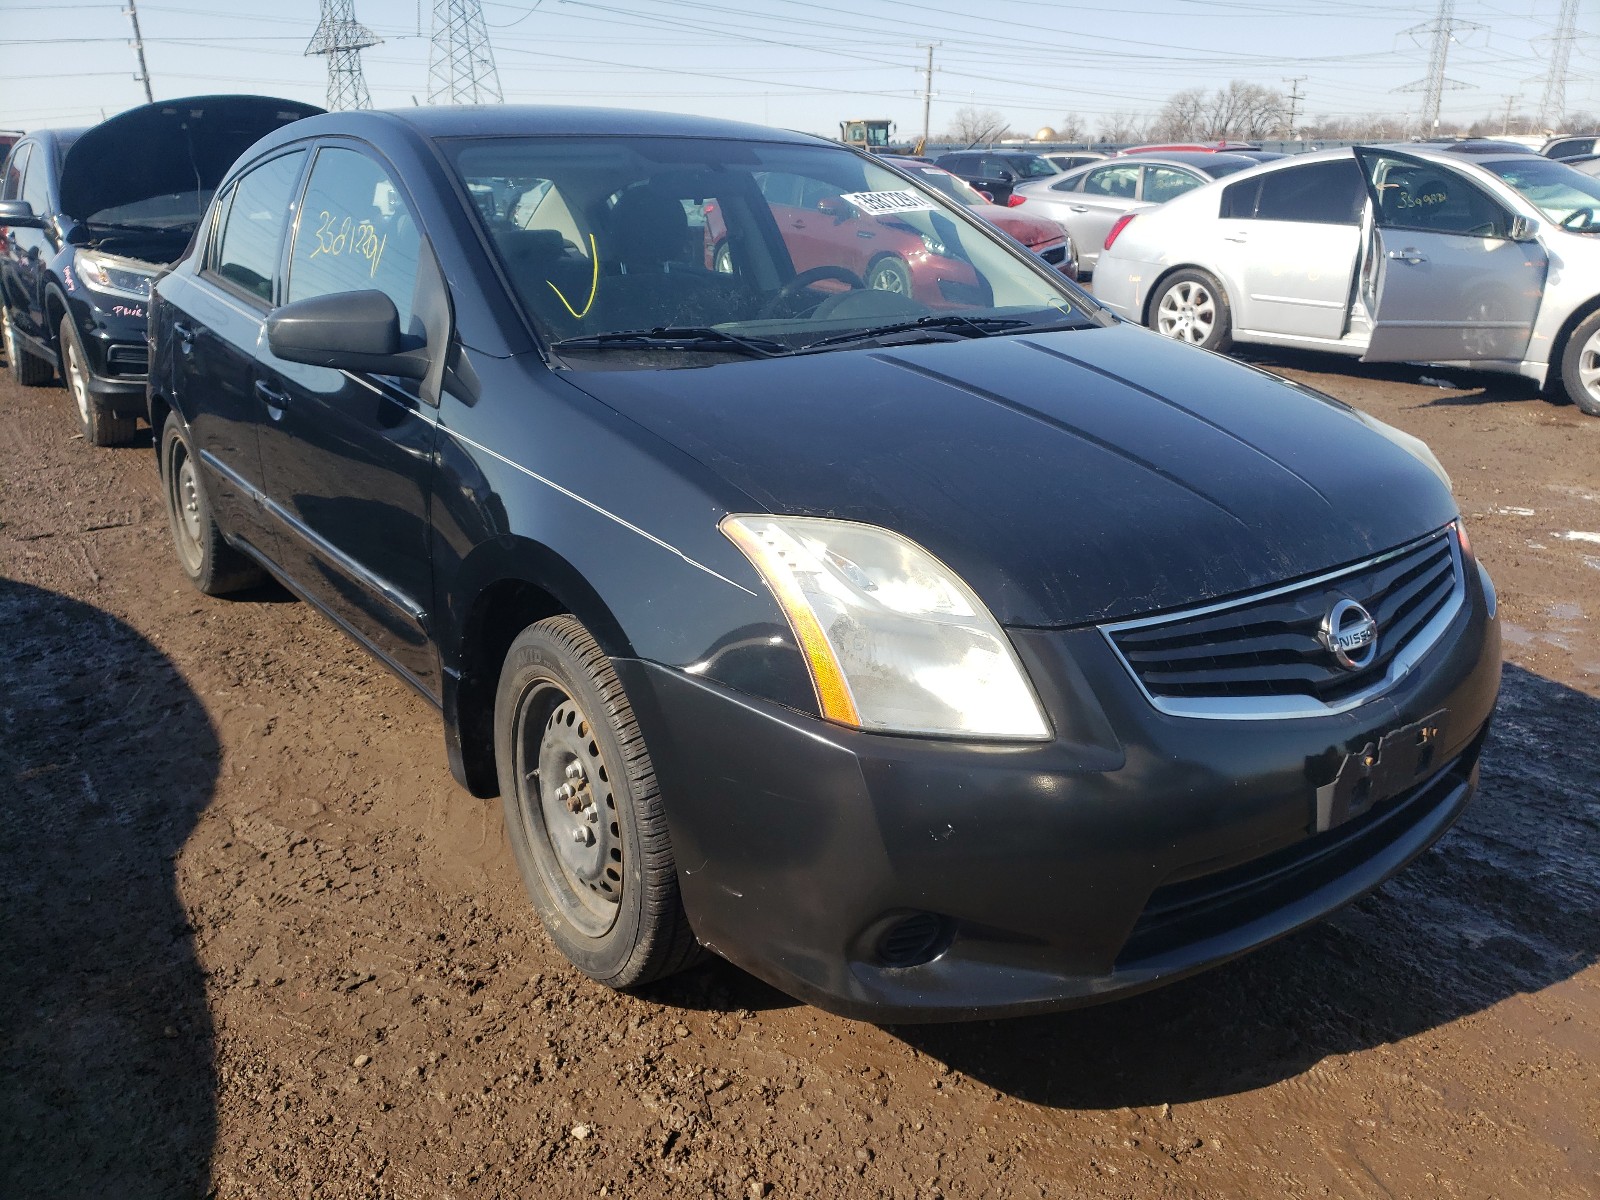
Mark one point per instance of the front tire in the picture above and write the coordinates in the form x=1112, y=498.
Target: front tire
x=1580, y=365
x=583, y=814
x=890, y=274
x=101, y=426
x=212, y=565
x=1192, y=307
x=26, y=367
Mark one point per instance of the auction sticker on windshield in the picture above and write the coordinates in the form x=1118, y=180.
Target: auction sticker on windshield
x=877, y=204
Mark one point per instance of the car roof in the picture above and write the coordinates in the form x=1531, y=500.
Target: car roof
x=533, y=120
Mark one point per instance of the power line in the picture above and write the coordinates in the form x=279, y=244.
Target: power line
x=1294, y=82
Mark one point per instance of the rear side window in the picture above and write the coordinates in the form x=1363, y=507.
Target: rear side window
x=1163, y=183
x=1324, y=193
x=259, y=207
x=14, y=168
x=356, y=233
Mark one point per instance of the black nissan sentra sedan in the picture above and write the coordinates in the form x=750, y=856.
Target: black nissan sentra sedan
x=931, y=654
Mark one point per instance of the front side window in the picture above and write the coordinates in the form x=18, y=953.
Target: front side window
x=778, y=244
x=356, y=233
x=258, y=208
x=1431, y=199
x=36, y=183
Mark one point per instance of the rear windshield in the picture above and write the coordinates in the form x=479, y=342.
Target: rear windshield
x=782, y=242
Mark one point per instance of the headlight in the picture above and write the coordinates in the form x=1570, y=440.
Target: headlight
x=107, y=275
x=894, y=640
x=935, y=246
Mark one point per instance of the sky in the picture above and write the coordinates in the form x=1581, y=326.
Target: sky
x=807, y=64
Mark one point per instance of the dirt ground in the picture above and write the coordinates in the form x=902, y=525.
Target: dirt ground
x=254, y=941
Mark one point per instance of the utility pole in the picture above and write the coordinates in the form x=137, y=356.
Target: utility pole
x=461, y=66
x=927, y=95
x=342, y=38
x=138, y=49
x=1294, y=82
x=1443, y=28
x=1553, y=107
x=1505, y=121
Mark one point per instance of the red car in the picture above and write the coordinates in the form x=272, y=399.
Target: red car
x=1044, y=237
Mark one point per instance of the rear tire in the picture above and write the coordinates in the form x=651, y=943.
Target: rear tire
x=101, y=426
x=1191, y=307
x=26, y=367
x=212, y=565
x=1580, y=365
x=583, y=814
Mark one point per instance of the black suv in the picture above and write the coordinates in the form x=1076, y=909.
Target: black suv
x=996, y=172
x=88, y=218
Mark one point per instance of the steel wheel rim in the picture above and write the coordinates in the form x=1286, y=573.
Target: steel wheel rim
x=76, y=380
x=566, y=801
x=185, y=502
x=1589, y=366
x=1188, y=312
x=11, y=337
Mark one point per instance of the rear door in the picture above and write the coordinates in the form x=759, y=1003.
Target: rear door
x=1106, y=194
x=1442, y=279
x=1294, y=236
x=348, y=458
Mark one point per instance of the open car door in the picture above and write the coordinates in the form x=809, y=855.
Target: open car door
x=1444, y=278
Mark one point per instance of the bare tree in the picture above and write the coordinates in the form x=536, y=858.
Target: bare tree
x=972, y=125
x=1123, y=127
x=1241, y=110
x=1181, y=117
x=1071, y=129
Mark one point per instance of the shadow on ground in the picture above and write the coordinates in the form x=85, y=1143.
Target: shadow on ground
x=106, y=760
x=1505, y=904
x=1445, y=383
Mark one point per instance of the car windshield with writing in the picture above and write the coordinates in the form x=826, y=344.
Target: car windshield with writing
x=714, y=247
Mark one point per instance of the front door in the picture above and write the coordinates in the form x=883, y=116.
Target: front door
x=347, y=457
x=1443, y=280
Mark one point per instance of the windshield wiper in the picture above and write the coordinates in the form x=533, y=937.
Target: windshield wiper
x=673, y=337
x=971, y=327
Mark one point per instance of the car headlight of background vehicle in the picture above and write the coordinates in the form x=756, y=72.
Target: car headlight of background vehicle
x=105, y=274
x=895, y=642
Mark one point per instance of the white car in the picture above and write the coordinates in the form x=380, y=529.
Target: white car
x=1417, y=255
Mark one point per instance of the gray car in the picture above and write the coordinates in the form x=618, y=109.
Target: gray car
x=1388, y=254
x=1089, y=200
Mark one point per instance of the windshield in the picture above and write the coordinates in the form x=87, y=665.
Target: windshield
x=1035, y=166
x=1221, y=167
x=1554, y=188
x=766, y=245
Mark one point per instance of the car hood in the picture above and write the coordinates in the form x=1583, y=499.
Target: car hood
x=170, y=147
x=1069, y=478
x=1030, y=231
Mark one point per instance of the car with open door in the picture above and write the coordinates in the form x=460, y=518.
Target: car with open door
x=932, y=654
x=1388, y=254
x=88, y=218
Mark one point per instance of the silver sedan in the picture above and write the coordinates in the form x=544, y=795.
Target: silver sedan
x=1089, y=200
x=1388, y=254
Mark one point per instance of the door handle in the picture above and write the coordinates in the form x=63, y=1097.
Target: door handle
x=272, y=398
x=1077, y=208
x=183, y=331
x=1408, y=255
x=1234, y=237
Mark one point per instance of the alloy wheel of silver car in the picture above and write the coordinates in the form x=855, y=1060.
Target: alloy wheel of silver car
x=1580, y=366
x=77, y=380
x=1188, y=312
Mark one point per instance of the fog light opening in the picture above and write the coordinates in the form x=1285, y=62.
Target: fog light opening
x=914, y=940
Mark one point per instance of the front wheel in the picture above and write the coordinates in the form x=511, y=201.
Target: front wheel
x=101, y=426
x=582, y=810
x=1193, y=308
x=1580, y=365
x=890, y=274
x=212, y=565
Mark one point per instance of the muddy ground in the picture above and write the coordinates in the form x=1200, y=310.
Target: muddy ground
x=255, y=942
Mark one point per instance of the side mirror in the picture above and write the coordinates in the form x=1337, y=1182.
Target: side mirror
x=835, y=207
x=347, y=331
x=1006, y=177
x=19, y=213
x=1524, y=229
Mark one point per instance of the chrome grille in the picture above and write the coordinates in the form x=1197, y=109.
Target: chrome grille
x=1263, y=656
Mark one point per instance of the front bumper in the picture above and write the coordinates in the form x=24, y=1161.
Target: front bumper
x=116, y=351
x=1132, y=850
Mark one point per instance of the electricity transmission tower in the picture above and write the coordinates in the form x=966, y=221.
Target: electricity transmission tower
x=342, y=38
x=1553, y=108
x=461, y=63
x=1443, y=28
